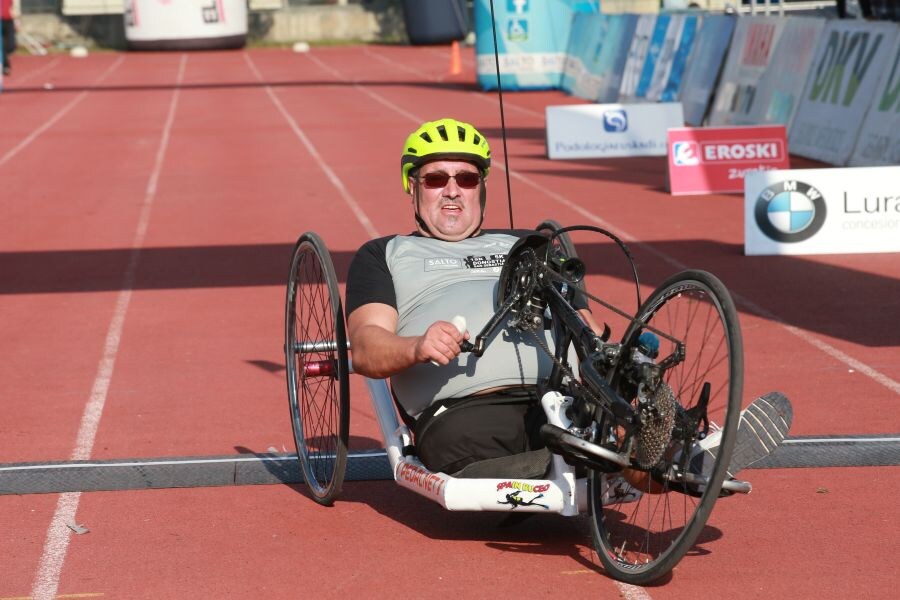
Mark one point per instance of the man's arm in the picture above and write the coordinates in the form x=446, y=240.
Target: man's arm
x=378, y=352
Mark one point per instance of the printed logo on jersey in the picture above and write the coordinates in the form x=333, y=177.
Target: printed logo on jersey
x=485, y=262
x=443, y=263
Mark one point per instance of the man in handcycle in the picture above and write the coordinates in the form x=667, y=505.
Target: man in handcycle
x=472, y=416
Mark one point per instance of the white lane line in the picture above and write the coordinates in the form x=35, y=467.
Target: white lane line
x=745, y=303
x=36, y=72
x=355, y=208
x=484, y=97
x=59, y=114
x=46, y=581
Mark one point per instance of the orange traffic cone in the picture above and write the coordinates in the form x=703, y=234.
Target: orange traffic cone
x=455, y=67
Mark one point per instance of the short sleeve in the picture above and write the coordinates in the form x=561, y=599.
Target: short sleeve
x=369, y=279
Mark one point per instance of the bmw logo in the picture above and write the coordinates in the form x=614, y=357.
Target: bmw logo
x=790, y=211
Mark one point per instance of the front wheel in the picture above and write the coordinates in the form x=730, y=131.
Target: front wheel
x=681, y=454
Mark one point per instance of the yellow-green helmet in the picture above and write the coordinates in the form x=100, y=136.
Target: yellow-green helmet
x=444, y=139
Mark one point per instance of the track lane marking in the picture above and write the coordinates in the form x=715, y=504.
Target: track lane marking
x=32, y=75
x=739, y=299
x=59, y=114
x=46, y=581
x=354, y=206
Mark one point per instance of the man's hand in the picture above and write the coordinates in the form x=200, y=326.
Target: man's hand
x=378, y=352
x=440, y=343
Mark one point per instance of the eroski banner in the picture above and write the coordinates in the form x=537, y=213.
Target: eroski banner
x=716, y=159
x=610, y=130
x=822, y=211
x=848, y=65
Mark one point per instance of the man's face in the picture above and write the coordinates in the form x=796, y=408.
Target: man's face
x=451, y=211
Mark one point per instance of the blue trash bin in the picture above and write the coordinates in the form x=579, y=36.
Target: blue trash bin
x=435, y=21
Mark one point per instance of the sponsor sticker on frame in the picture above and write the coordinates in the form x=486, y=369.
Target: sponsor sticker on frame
x=822, y=211
x=716, y=159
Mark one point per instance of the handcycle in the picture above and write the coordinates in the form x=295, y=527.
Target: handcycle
x=630, y=424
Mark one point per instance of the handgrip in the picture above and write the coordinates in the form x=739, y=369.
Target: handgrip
x=459, y=322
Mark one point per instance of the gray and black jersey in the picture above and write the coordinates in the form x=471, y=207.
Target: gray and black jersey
x=428, y=280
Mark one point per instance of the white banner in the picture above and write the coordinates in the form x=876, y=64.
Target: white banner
x=848, y=64
x=781, y=87
x=155, y=20
x=879, y=140
x=748, y=59
x=610, y=130
x=822, y=211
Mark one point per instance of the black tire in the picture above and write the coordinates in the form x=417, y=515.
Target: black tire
x=641, y=541
x=317, y=368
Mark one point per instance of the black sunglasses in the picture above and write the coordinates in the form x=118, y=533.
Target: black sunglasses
x=465, y=179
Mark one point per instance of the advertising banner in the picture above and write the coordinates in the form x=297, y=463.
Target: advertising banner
x=781, y=87
x=666, y=79
x=848, y=64
x=637, y=56
x=658, y=40
x=702, y=71
x=822, y=211
x=154, y=25
x=748, y=59
x=610, y=130
x=532, y=38
x=609, y=61
x=598, y=47
x=716, y=159
x=585, y=37
x=879, y=140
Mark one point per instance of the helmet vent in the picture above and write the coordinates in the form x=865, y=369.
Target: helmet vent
x=426, y=137
x=477, y=140
x=461, y=133
x=443, y=132
x=412, y=150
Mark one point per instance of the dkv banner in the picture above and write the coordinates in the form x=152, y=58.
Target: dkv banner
x=849, y=62
x=822, y=211
x=716, y=159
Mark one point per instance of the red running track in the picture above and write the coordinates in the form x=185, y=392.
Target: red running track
x=149, y=204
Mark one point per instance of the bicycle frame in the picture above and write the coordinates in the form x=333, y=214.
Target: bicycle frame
x=559, y=493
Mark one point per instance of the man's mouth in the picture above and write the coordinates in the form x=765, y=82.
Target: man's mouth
x=452, y=207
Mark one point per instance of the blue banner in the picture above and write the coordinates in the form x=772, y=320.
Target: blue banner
x=657, y=40
x=610, y=57
x=685, y=44
x=701, y=72
x=532, y=38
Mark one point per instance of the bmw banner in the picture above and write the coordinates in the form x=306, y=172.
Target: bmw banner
x=822, y=211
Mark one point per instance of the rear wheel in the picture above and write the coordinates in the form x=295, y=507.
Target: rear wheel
x=699, y=398
x=317, y=368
